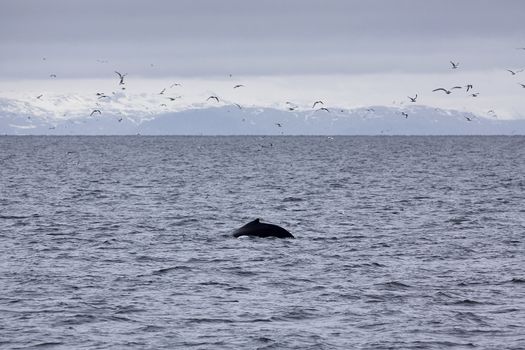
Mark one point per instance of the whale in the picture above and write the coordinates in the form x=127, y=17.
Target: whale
x=256, y=228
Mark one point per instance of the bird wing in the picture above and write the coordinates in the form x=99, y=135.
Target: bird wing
x=440, y=89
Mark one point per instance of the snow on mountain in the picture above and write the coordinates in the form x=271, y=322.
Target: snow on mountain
x=126, y=114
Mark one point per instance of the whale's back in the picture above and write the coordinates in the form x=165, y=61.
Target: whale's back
x=258, y=229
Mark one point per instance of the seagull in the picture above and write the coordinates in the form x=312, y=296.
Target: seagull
x=103, y=96
x=238, y=86
x=173, y=98
x=163, y=105
x=316, y=102
x=456, y=87
x=514, y=72
x=522, y=85
x=404, y=114
x=448, y=92
x=454, y=65
x=370, y=110
x=52, y=75
x=119, y=120
x=279, y=125
x=291, y=108
x=175, y=84
x=95, y=111
x=213, y=97
x=469, y=86
x=162, y=92
x=121, y=76
x=475, y=94
x=238, y=105
x=412, y=99
x=324, y=109
x=467, y=118
x=39, y=97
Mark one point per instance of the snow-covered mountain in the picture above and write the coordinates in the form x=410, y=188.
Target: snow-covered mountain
x=125, y=115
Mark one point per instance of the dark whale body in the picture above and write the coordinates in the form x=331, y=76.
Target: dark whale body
x=259, y=229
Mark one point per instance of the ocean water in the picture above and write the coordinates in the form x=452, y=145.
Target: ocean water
x=125, y=243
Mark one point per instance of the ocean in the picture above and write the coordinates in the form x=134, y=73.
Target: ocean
x=125, y=242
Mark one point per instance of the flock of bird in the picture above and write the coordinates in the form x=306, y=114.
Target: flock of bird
x=291, y=106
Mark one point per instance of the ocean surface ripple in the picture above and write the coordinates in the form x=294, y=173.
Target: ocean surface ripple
x=125, y=243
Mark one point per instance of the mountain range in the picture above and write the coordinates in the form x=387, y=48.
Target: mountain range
x=19, y=117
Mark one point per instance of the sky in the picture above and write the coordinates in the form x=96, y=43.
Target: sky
x=349, y=53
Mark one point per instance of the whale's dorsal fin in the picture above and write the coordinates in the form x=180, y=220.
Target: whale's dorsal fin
x=254, y=222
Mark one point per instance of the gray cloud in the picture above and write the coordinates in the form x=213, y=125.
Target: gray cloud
x=247, y=37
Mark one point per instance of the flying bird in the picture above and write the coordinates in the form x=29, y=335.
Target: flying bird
x=317, y=102
x=448, y=92
x=119, y=120
x=467, y=118
x=404, y=114
x=279, y=125
x=121, y=77
x=238, y=86
x=324, y=109
x=238, y=105
x=412, y=99
x=469, y=86
x=162, y=92
x=163, y=105
x=454, y=65
x=175, y=84
x=173, y=98
x=522, y=85
x=95, y=111
x=475, y=94
x=52, y=75
x=213, y=97
x=456, y=87
x=514, y=72
x=39, y=97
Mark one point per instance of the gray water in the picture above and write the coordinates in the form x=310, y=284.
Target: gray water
x=125, y=243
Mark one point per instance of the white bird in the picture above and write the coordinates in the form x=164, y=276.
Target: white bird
x=121, y=77
x=448, y=92
x=317, y=102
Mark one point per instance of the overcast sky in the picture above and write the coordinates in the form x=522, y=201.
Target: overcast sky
x=211, y=39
